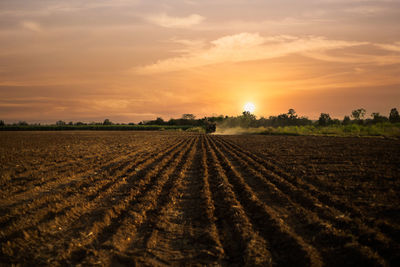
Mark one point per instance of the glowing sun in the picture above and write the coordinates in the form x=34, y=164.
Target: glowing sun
x=249, y=107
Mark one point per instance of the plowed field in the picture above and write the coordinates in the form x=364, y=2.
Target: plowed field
x=159, y=198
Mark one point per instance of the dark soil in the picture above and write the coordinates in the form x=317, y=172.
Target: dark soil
x=168, y=198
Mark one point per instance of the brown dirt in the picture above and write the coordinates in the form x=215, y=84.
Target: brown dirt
x=165, y=198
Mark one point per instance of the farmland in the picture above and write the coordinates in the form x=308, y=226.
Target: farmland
x=160, y=198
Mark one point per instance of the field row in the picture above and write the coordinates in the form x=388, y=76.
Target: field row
x=182, y=199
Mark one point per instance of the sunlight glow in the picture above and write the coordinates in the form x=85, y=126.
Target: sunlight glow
x=249, y=107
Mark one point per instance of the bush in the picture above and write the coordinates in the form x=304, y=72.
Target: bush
x=346, y=120
x=324, y=119
x=107, y=122
x=394, y=116
x=60, y=123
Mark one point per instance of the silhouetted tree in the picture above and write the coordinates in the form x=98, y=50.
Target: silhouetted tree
x=286, y=119
x=2, y=123
x=247, y=119
x=346, y=120
x=219, y=118
x=107, y=122
x=292, y=114
x=23, y=123
x=376, y=117
x=303, y=121
x=159, y=121
x=394, y=115
x=70, y=123
x=60, y=123
x=283, y=119
x=324, y=119
x=358, y=114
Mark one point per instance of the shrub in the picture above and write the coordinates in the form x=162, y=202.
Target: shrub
x=346, y=120
x=394, y=116
x=60, y=123
x=107, y=122
x=324, y=119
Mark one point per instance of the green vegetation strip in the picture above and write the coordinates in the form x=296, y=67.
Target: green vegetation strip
x=379, y=129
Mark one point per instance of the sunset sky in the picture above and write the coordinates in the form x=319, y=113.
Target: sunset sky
x=87, y=60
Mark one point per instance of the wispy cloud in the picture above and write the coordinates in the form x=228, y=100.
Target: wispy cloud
x=367, y=10
x=355, y=58
x=188, y=46
x=386, y=55
x=245, y=47
x=167, y=21
x=390, y=47
x=33, y=26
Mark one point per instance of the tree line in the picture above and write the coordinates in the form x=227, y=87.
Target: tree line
x=291, y=118
x=248, y=120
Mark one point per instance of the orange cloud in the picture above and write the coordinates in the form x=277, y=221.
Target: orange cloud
x=244, y=47
x=390, y=47
x=33, y=26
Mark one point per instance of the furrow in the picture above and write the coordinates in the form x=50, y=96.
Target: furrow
x=28, y=178
x=44, y=178
x=334, y=244
x=241, y=242
x=50, y=160
x=185, y=220
x=283, y=240
x=163, y=228
x=209, y=210
x=59, y=202
x=310, y=198
x=59, y=183
x=322, y=199
x=39, y=199
x=66, y=223
x=115, y=231
x=47, y=185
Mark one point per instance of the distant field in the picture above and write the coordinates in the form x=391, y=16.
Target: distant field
x=391, y=130
x=93, y=127
x=157, y=198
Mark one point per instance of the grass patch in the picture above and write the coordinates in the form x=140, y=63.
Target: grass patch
x=196, y=130
x=380, y=129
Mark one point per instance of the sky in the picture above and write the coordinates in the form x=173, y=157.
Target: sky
x=87, y=60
